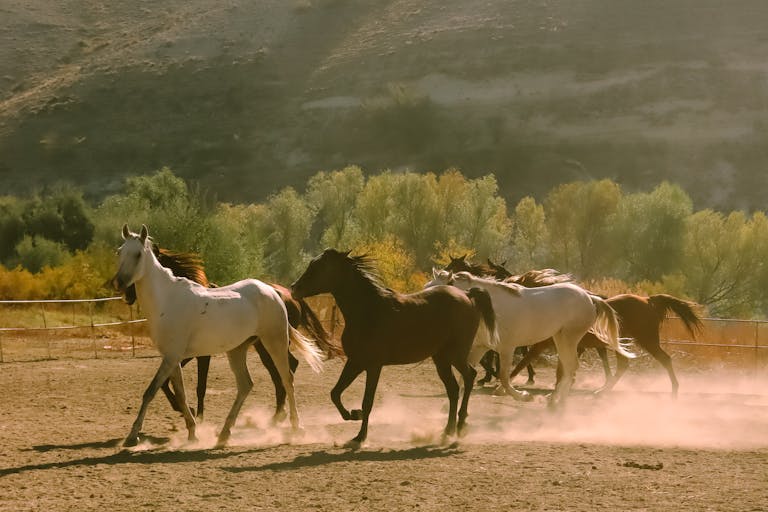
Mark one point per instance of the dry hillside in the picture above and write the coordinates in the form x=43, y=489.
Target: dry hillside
x=249, y=96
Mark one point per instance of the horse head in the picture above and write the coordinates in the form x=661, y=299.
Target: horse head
x=131, y=257
x=457, y=264
x=321, y=274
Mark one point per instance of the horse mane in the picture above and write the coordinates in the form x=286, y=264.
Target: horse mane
x=537, y=278
x=366, y=268
x=182, y=264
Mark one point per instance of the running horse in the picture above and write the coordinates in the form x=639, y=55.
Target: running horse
x=640, y=318
x=300, y=316
x=384, y=327
x=531, y=279
x=525, y=316
x=186, y=320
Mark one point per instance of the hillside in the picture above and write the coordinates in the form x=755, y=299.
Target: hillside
x=246, y=97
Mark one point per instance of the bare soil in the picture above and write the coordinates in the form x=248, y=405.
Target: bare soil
x=62, y=423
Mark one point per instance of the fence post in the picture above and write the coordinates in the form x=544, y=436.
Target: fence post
x=133, y=330
x=93, y=331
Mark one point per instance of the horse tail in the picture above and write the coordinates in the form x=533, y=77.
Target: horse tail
x=315, y=328
x=662, y=303
x=606, y=326
x=481, y=299
x=302, y=346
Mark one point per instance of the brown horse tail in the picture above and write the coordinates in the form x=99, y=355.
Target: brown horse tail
x=302, y=346
x=481, y=299
x=606, y=326
x=315, y=328
x=684, y=309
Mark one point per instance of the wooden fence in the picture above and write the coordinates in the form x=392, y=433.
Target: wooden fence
x=103, y=328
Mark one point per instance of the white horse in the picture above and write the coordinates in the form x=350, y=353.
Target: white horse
x=563, y=311
x=189, y=320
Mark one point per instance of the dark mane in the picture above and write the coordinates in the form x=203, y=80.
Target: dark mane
x=366, y=268
x=182, y=264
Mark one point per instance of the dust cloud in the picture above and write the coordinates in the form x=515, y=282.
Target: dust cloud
x=712, y=411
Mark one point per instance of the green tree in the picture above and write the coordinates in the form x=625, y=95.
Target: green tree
x=373, y=213
x=649, y=230
x=721, y=255
x=529, y=235
x=61, y=215
x=415, y=214
x=484, y=221
x=578, y=219
x=11, y=226
x=285, y=230
x=332, y=195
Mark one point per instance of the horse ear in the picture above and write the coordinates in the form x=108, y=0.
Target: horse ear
x=434, y=273
x=503, y=263
x=144, y=233
x=126, y=232
x=463, y=257
x=346, y=253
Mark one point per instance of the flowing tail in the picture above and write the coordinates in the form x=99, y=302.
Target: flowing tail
x=302, y=346
x=606, y=326
x=315, y=328
x=662, y=303
x=481, y=299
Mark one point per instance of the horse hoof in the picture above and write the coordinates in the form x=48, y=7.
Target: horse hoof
x=278, y=418
x=524, y=396
x=353, y=444
x=131, y=441
x=356, y=415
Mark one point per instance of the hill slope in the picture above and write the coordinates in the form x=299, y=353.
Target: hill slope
x=246, y=97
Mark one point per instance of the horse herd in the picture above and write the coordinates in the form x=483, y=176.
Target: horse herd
x=464, y=312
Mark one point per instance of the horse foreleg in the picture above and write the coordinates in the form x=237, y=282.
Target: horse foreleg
x=348, y=375
x=239, y=366
x=372, y=375
x=505, y=363
x=181, y=401
x=162, y=374
x=203, y=364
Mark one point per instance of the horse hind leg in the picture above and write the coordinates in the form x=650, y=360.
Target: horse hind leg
x=443, y=366
x=238, y=364
x=568, y=362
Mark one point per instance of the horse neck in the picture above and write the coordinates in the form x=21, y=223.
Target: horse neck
x=152, y=288
x=356, y=296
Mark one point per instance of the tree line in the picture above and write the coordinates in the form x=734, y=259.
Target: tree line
x=56, y=244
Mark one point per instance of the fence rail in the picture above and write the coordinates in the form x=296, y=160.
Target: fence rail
x=722, y=341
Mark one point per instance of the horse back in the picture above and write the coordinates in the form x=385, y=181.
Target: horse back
x=410, y=328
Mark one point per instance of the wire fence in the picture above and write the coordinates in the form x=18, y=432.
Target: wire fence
x=32, y=330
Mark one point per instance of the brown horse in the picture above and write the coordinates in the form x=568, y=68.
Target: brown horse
x=640, y=318
x=530, y=279
x=383, y=327
x=300, y=315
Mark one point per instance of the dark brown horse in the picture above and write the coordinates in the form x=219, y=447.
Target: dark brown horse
x=640, y=318
x=530, y=279
x=383, y=327
x=300, y=316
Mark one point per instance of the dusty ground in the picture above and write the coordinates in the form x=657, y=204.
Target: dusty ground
x=62, y=421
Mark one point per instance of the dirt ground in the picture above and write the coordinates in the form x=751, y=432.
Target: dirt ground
x=62, y=422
